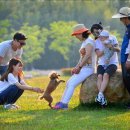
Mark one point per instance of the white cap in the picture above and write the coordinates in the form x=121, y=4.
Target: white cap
x=104, y=33
x=123, y=12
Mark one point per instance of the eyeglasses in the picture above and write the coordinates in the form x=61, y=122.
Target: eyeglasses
x=22, y=43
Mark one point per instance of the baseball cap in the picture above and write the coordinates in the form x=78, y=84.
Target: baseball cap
x=104, y=33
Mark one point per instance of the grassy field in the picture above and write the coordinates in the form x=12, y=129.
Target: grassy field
x=36, y=115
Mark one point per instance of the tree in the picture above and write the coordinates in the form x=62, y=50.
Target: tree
x=62, y=41
x=35, y=43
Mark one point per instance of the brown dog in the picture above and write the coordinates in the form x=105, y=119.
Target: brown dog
x=54, y=82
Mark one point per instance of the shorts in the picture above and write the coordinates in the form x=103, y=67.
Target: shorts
x=110, y=70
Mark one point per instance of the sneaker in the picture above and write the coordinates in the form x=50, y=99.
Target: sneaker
x=60, y=105
x=98, y=99
x=104, y=101
x=10, y=106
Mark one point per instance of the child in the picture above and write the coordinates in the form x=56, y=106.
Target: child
x=12, y=85
x=108, y=44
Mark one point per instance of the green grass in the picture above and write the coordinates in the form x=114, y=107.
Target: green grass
x=36, y=115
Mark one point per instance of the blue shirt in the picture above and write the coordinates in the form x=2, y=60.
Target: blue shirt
x=125, y=43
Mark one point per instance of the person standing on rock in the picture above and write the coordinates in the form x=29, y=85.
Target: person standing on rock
x=83, y=69
x=124, y=16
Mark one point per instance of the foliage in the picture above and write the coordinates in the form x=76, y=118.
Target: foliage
x=66, y=71
x=57, y=16
x=4, y=24
x=61, y=37
x=37, y=38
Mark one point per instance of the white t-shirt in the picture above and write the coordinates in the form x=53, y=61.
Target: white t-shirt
x=100, y=46
x=89, y=40
x=128, y=48
x=8, y=53
x=11, y=81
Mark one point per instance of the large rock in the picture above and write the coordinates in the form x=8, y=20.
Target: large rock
x=115, y=91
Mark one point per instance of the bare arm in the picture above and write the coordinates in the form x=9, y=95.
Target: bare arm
x=89, y=49
x=116, y=48
x=27, y=87
x=99, y=53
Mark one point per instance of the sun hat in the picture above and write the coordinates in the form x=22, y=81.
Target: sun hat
x=78, y=29
x=104, y=33
x=123, y=12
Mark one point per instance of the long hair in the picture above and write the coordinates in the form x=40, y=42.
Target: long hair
x=13, y=62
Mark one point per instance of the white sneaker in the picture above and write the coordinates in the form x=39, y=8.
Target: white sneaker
x=10, y=106
x=98, y=99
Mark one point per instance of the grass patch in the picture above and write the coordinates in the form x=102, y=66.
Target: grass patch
x=36, y=115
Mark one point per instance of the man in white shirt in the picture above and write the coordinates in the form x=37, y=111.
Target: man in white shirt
x=11, y=49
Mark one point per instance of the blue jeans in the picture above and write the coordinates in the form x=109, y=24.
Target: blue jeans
x=10, y=95
x=3, y=69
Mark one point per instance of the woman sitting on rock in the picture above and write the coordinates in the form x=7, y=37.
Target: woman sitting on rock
x=83, y=69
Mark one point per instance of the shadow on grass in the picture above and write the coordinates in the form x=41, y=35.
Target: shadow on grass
x=95, y=106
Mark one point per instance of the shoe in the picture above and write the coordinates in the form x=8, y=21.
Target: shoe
x=98, y=99
x=104, y=101
x=60, y=105
x=10, y=106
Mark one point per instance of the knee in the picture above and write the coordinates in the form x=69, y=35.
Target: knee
x=100, y=77
x=105, y=76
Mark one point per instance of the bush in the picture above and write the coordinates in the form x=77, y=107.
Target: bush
x=66, y=71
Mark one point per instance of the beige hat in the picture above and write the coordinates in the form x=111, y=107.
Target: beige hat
x=123, y=12
x=79, y=28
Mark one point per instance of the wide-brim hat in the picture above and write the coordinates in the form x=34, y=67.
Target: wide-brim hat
x=79, y=29
x=123, y=12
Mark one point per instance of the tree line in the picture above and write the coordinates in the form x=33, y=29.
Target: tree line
x=48, y=25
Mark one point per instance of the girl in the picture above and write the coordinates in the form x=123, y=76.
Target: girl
x=12, y=85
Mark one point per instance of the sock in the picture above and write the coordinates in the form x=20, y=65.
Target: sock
x=100, y=94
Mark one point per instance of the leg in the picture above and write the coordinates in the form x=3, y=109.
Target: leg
x=49, y=99
x=126, y=77
x=74, y=81
x=10, y=95
x=111, y=69
x=104, y=83
x=100, y=72
x=99, y=81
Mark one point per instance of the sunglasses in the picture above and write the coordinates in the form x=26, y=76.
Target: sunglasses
x=22, y=43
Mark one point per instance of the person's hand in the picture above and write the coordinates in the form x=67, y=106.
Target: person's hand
x=127, y=65
x=38, y=90
x=76, y=70
x=109, y=46
x=73, y=71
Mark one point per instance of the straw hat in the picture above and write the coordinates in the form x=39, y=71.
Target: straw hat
x=78, y=29
x=123, y=12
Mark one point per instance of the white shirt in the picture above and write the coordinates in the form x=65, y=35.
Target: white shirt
x=8, y=53
x=11, y=81
x=100, y=46
x=89, y=40
x=128, y=48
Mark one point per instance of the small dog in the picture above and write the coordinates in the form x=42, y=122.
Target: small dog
x=54, y=82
